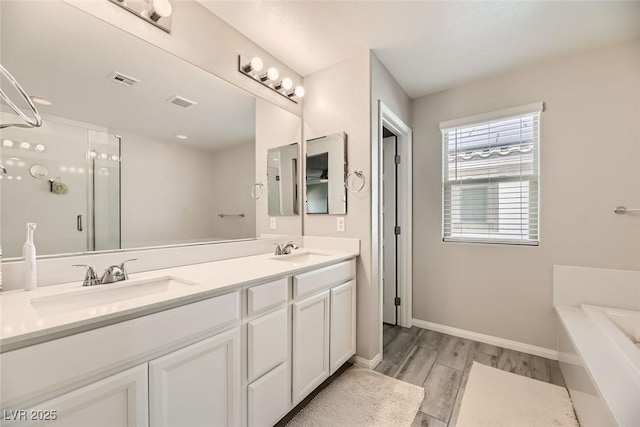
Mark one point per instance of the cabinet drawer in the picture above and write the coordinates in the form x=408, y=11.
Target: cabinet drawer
x=266, y=296
x=267, y=343
x=269, y=398
x=307, y=283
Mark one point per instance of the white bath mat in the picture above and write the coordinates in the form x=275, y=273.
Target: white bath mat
x=495, y=398
x=362, y=397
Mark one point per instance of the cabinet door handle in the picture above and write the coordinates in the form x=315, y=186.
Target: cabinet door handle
x=79, y=222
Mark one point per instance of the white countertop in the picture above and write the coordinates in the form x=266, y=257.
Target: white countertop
x=21, y=325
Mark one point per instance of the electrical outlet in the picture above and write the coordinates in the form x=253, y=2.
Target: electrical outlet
x=272, y=222
x=340, y=223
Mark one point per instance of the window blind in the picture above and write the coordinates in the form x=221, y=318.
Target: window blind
x=490, y=178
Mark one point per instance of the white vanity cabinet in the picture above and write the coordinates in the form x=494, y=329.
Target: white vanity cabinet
x=324, y=320
x=198, y=385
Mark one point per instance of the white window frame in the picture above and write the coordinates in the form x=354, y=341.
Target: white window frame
x=535, y=108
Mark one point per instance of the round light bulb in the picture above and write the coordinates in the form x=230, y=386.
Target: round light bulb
x=272, y=73
x=92, y=154
x=24, y=145
x=40, y=148
x=256, y=64
x=299, y=91
x=7, y=143
x=162, y=7
x=286, y=83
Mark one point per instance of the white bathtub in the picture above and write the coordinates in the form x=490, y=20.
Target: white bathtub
x=621, y=327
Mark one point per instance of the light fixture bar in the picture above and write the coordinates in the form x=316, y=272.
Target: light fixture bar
x=270, y=78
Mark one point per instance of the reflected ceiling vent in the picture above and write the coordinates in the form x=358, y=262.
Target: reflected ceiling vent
x=123, y=79
x=181, y=102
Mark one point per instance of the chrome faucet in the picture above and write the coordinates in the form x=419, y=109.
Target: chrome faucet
x=114, y=273
x=285, y=249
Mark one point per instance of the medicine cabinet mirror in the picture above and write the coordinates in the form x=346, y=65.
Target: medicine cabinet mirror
x=282, y=175
x=326, y=174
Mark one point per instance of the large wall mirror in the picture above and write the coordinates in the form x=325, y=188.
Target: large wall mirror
x=139, y=148
x=325, y=175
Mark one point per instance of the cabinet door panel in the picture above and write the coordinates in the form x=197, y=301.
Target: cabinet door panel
x=198, y=385
x=269, y=397
x=343, y=324
x=267, y=343
x=310, y=344
x=116, y=401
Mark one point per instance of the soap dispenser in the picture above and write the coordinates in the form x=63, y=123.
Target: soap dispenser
x=29, y=252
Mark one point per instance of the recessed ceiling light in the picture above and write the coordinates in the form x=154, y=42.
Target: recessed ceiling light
x=180, y=136
x=17, y=159
x=92, y=154
x=40, y=101
x=103, y=156
x=7, y=143
x=40, y=148
x=24, y=145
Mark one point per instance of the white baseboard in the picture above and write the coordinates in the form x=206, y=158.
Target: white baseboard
x=488, y=339
x=366, y=363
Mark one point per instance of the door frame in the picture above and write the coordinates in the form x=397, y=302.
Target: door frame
x=387, y=118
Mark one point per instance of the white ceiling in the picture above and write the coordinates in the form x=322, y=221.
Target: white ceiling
x=429, y=46
x=70, y=59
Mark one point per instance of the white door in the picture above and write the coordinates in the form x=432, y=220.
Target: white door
x=343, y=324
x=310, y=344
x=117, y=401
x=198, y=385
x=389, y=309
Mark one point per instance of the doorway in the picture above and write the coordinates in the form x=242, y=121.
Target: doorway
x=392, y=220
x=389, y=227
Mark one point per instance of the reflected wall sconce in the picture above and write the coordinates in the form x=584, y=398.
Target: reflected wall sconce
x=156, y=12
x=252, y=68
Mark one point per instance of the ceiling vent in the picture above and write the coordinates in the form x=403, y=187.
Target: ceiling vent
x=123, y=79
x=181, y=102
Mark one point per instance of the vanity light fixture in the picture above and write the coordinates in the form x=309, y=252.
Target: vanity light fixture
x=251, y=68
x=156, y=12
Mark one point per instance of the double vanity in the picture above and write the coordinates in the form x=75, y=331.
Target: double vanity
x=232, y=342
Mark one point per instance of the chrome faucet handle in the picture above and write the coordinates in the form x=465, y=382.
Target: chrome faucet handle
x=124, y=271
x=90, y=277
x=289, y=247
x=278, y=249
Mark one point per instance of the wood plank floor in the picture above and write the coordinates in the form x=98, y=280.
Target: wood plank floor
x=441, y=363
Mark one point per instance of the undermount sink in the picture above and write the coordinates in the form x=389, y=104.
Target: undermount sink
x=300, y=257
x=99, y=297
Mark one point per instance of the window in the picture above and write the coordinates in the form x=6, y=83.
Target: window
x=490, y=177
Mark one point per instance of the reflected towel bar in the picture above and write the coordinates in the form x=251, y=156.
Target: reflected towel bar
x=222, y=215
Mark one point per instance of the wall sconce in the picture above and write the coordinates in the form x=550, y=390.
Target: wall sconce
x=156, y=12
x=252, y=67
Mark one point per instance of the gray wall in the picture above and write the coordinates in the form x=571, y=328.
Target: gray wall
x=590, y=163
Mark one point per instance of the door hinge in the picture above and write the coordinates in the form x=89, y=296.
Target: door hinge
x=396, y=230
x=397, y=159
x=397, y=301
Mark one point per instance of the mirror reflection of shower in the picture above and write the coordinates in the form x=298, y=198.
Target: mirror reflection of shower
x=64, y=176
